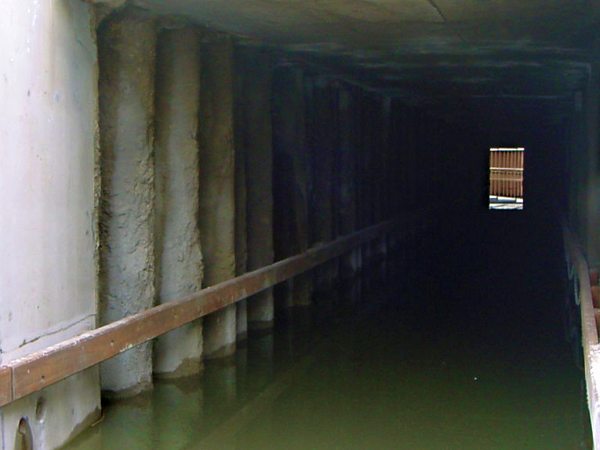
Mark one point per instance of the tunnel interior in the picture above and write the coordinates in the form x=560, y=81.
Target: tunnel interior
x=343, y=115
x=232, y=136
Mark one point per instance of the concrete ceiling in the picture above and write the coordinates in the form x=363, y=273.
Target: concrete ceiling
x=433, y=51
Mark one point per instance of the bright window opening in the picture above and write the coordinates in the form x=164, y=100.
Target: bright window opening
x=506, y=178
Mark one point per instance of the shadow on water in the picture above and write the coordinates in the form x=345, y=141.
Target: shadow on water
x=457, y=344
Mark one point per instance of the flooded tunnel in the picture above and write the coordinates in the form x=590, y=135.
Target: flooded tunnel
x=269, y=224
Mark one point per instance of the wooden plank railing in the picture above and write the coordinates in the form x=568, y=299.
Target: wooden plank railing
x=506, y=172
x=41, y=369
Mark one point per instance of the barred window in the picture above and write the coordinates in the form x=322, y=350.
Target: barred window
x=506, y=178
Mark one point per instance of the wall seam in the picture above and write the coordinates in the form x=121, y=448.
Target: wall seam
x=52, y=332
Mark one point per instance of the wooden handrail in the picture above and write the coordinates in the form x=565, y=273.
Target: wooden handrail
x=43, y=368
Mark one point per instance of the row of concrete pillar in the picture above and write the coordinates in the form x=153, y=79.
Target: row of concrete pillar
x=200, y=158
x=169, y=159
x=216, y=158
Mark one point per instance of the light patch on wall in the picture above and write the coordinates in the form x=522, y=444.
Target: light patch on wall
x=507, y=170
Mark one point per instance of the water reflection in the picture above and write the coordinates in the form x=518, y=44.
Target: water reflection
x=409, y=356
x=176, y=422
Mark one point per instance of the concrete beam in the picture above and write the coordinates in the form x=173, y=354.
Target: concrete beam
x=217, y=186
x=178, y=252
x=127, y=62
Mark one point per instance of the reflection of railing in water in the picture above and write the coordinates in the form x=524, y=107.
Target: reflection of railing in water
x=41, y=369
x=506, y=172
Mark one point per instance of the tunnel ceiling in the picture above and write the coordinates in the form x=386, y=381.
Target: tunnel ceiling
x=445, y=53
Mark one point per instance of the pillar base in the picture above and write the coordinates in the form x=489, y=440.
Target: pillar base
x=220, y=333
x=188, y=367
x=260, y=327
x=303, y=290
x=129, y=392
x=241, y=337
x=260, y=309
x=284, y=294
x=241, y=320
x=221, y=353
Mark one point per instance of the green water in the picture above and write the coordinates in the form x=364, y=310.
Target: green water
x=423, y=357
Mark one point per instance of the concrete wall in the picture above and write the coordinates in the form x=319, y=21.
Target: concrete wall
x=591, y=202
x=582, y=166
x=48, y=237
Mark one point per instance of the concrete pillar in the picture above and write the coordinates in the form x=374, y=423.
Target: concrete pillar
x=256, y=107
x=332, y=132
x=290, y=177
x=374, y=151
x=241, y=229
x=284, y=207
x=366, y=184
x=178, y=253
x=407, y=177
x=397, y=171
x=412, y=203
x=382, y=174
x=346, y=177
x=321, y=157
x=48, y=193
x=356, y=117
x=417, y=184
x=217, y=186
x=127, y=61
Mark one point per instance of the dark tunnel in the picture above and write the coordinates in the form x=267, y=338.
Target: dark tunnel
x=265, y=224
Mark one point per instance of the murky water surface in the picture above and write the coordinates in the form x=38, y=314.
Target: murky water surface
x=461, y=349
